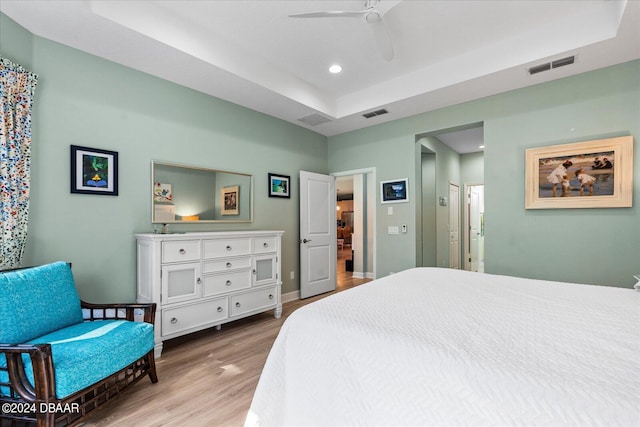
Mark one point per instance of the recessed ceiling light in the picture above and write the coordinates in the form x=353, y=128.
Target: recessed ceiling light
x=481, y=146
x=335, y=69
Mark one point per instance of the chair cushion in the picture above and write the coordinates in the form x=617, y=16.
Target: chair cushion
x=36, y=301
x=88, y=352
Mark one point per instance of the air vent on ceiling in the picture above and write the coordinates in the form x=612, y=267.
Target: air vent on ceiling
x=375, y=113
x=553, y=64
x=540, y=68
x=314, y=119
x=562, y=62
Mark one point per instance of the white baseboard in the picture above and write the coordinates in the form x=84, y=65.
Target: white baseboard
x=361, y=275
x=290, y=296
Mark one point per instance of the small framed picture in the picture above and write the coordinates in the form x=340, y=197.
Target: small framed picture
x=230, y=200
x=94, y=171
x=162, y=192
x=394, y=191
x=279, y=185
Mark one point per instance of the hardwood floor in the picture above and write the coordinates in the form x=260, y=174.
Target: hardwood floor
x=207, y=378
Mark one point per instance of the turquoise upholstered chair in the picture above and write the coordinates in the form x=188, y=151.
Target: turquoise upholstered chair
x=58, y=352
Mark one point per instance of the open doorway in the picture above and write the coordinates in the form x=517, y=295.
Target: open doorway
x=447, y=159
x=344, y=234
x=355, y=217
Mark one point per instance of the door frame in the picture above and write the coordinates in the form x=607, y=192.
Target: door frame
x=371, y=208
x=467, y=237
x=457, y=223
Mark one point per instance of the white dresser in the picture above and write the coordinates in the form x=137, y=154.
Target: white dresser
x=200, y=280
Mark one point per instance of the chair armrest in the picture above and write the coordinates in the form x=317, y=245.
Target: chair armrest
x=119, y=311
x=43, y=373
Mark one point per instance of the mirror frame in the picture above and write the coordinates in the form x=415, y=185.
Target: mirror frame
x=204, y=221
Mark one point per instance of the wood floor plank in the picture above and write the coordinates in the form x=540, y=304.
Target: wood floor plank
x=207, y=378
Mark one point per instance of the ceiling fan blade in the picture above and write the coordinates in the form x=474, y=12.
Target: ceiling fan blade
x=330, y=14
x=385, y=44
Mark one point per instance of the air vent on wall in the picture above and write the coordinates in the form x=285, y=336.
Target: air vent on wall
x=314, y=119
x=553, y=64
x=375, y=113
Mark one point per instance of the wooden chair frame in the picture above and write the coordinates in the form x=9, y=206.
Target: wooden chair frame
x=38, y=405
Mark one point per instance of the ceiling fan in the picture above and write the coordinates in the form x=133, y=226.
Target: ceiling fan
x=372, y=14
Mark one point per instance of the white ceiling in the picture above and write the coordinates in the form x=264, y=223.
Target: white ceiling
x=464, y=141
x=251, y=53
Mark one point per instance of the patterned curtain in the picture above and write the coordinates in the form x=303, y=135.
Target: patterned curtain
x=17, y=87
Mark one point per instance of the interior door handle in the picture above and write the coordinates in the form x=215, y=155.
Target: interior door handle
x=305, y=240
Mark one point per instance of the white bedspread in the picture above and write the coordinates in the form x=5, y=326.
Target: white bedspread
x=442, y=347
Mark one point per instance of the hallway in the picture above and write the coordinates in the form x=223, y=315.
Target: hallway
x=345, y=278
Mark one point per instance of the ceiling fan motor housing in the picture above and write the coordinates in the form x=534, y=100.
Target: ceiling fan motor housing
x=373, y=17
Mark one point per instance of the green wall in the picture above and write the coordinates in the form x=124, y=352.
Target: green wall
x=15, y=42
x=596, y=246
x=426, y=237
x=84, y=100
x=472, y=168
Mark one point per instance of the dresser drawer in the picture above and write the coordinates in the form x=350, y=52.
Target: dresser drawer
x=261, y=299
x=194, y=315
x=185, y=250
x=264, y=244
x=226, y=282
x=216, y=266
x=226, y=247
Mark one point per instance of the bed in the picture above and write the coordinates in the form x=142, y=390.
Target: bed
x=442, y=347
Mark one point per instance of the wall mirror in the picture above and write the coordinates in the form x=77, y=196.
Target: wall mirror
x=182, y=194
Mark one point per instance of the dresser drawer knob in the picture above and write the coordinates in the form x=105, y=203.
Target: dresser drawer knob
x=228, y=283
x=174, y=320
x=270, y=296
x=182, y=251
x=237, y=304
x=265, y=244
x=198, y=280
x=229, y=247
x=219, y=309
x=229, y=265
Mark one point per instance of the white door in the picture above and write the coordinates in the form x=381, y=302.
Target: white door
x=474, y=227
x=317, y=234
x=454, y=226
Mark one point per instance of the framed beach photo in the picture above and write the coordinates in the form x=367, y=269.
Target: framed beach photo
x=279, y=185
x=394, y=191
x=230, y=197
x=94, y=171
x=589, y=174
